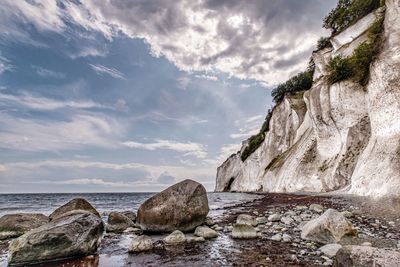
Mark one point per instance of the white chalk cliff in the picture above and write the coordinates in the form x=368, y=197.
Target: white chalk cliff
x=342, y=137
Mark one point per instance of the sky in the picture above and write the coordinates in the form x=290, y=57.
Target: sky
x=136, y=95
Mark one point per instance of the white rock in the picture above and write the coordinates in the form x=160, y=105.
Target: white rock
x=287, y=220
x=274, y=217
x=176, y=237
x=140, y=244
x=246, y=219
x=205, y=232
x=243, y=231
x=277, y=237
x=286, y=238
x=317, y=208
x=330, y=250
x=367, y=256
x=261, y=220
x=330, y=227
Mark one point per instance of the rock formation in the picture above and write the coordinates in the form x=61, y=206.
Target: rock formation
x=183, y=206
x=342, y=136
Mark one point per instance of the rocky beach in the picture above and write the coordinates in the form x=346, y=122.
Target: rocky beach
x=269, y=230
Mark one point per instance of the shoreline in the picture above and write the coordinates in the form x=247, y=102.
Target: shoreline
x=225, y=251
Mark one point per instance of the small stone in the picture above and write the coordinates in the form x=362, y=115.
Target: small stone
x=367, y=244
x=274, y=217
x=277, y=237
x=192, y=239
x=209, y=221
x=205, y=232
x=133, y=230
x=286, y=238
x=243, y=231
x=176, y=237
x=287, y=220
x=317, y=208
x=246, y=219
x=218, y=228
x=140, y=244
x=347, y=214
x=392, y=223
x=301, y=207
x=262, y=220
x=255, y=212
x=330, y=250
x=291, y=213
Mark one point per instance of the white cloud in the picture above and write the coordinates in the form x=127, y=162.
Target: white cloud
x=88, y=52
x=43, y=103
x=248, y=127
x=48, y=73
x=207, y=77
x=227, y=151
x=100, y=69
x=42, y=135
x=5, y=65
x=190, y=148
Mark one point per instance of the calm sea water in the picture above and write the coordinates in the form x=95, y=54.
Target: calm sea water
x=103, y=202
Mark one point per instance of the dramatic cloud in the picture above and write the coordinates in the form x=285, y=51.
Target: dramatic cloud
x=189, y=148
x=100, y=69
x=43, y=135
x=244, y=39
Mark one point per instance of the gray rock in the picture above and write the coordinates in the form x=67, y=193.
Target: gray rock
x=133, y=230
x=287, y=220
x=366, y=256
x=130, y=214
x=195, y=239
x=118, y=222
x=183, y=206
x=261, y=220
x=291, y=213
x=286, y=238
x=176, y=237
x=243, y=231
x=246, y=219
x=347, y=214
x=74, y=205
x=367, y=244
x=14, y=225
x=209, y=221
x=317, y=208
x=328, y=228
x=274, y=217
x=277, y=237
x=140, y=244
x=75, y=234
x=205, y=232
x=330, y=250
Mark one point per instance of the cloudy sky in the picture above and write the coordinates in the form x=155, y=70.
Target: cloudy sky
x=134, y=95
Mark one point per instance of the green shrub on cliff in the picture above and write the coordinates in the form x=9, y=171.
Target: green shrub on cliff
x=301, y=82
x=357, y=65
x=347, y=12
x=256, y=140
x=323, y=42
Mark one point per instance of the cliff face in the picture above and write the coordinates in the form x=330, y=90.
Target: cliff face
x=333, y=137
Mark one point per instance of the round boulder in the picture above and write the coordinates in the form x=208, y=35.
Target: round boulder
x=183, y=206
x=118, y=222
x=14, y=225
x=140, y=244
x=176, y=237
x=74, y=205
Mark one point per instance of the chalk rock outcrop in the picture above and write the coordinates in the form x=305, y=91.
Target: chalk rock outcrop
x=342, y=137
x=183, y=206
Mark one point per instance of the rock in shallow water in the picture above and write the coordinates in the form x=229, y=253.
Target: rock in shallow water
x=330, y=250
x=140, y=244
x=118, y=222
x=183, y=206
x=328, y=228
x=366, y=256
x=14, y=225
x=73, y=205
x=246, y=219
x=76, y=233
x=243, y=231
x=206, y=232
x=176, y=237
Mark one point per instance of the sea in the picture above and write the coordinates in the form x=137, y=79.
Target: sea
x=107, y=202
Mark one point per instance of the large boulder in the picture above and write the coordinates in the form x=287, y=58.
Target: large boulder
x=366, y=256
x=118, y=222
x=328, y=228
x=183, y=206
x=74, y=205
x=14, y=225
x=74, y=234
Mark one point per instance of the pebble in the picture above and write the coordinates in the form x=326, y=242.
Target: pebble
x=274, y=217
x=287, y=220
x=277, y=237
x=286, y=238
x=262, y=220
x=317, y=208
